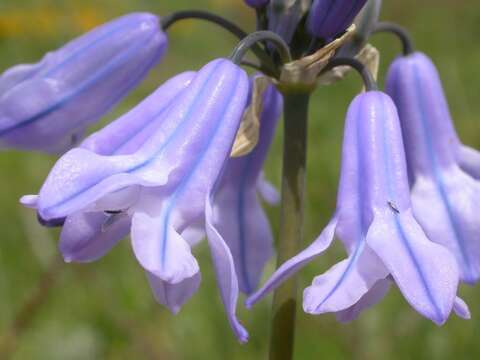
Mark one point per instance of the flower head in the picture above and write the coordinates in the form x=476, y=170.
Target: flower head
x=238, y=215
x=444, y=195
x=159, y=182
x=328, y=18
x=44, y=106
x=375, y=223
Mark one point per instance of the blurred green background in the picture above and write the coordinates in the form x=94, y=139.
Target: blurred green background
x=105, y=310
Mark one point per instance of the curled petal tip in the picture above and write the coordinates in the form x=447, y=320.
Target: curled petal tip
x=248, y=304
x=461, y=309
x=242, y=335
x=29, y=201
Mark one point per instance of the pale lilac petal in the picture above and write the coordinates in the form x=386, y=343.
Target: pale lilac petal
x=372, y=297
x=18, y=73
x=77, y=84
x=174, y=296
x=425, y=272
x=86, y=237
x=291, y=266
x=345, y=283
x=29, y=201
x=225, y=272
x=239, y=217
x=461, y=309
x=195, y=233
x=243, y=224
x=161, y=250
x=129, y=132
x=447, y=208
x=84, y=177
x=268, y=191
x=469, y=160
x=81, y=177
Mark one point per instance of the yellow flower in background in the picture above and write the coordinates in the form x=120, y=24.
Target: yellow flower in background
x=47, y=21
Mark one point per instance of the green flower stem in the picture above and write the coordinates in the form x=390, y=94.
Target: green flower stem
x=291, y=220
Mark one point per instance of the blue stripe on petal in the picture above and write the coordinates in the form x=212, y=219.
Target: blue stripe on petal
x=183, y=185
x=126, y=24
x=398, y=225
x=437, y=172
x=241, y=225
x=360, y=220
x=83, y=87
x=146, y=162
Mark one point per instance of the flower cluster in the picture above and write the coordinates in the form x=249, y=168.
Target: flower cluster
x=165, y=172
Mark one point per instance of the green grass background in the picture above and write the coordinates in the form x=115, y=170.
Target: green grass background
x=105, y=310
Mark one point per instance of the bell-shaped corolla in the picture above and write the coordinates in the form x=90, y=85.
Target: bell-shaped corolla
x=239, y=216
x=328, y=18
x=375, y=223
x=445, y=193
x=160, y=174
x=47, y=106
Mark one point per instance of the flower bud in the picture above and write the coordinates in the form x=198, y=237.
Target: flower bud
x=329, y=18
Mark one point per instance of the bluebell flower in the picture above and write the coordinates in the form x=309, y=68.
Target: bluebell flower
x=238, y=214
x=159, y=184
x=328, y=18
x=375, y=223
x=444, y=193
x=285, y=15
x=44, y=106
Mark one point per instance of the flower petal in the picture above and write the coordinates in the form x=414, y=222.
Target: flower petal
x=268, y=192
x=161, y=250
x=461, y=309
x=425, y=272
x=79, y=83
x=241, y=221
x=328, y=18
x=214, y=102
x=372, y=297
x=81, y=177
x=296, y=263
x=194, y=233
x=173, y=296
x=129, y=132
x=87, y=237
x=447, y=208
x=469, y=160
x=225, y=272
x=345, y=283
